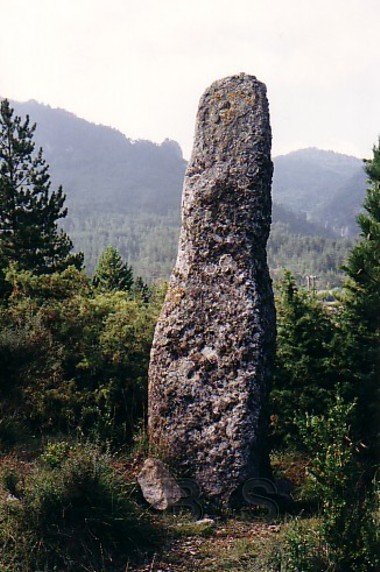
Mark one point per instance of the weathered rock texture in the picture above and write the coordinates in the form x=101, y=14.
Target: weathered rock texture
x=158, y=486
x=214, y=342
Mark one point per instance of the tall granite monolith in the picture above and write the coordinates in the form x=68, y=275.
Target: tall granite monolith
x=213, y=347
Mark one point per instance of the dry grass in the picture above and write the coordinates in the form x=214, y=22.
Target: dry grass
x=232, y=545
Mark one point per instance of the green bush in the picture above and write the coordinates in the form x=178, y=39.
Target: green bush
x=74, y=514
x=301, y=549
x=344, y=535
x=305, y=377
x=72, y=359
x=55, y=453
x=348, y=527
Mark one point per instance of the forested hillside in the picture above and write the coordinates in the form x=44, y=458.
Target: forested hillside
x=101, y=169
x=327, y=187
x=128, y=193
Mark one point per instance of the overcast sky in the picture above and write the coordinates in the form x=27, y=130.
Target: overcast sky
x=142, y=65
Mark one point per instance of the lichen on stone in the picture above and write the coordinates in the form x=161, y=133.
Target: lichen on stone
x=213, y=347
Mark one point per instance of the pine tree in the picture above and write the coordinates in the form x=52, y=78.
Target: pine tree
x=359, y=345
x=142, y=289
x=364, y=262
x=29, y=211
x=304, y=377
x=112, y=273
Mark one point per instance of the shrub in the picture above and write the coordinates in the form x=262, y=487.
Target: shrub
x=74, y=514
x=54, y=454
x=348, y=526
x=72, y=360
x=302, y=549
x=12, y=432
x=304, y=376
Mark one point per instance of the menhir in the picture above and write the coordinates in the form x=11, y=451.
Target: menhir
x=213, y=347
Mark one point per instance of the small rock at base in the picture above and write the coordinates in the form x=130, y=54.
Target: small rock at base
x=158, y=486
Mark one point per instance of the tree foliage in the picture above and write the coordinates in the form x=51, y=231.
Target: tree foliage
x=321, y=347
x=363, y=265
x=358, y=346
x=304, y=377
x=29, y=211
x=72, y=359
x=112, y=273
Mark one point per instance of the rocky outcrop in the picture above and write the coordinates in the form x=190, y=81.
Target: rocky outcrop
x=214, y=342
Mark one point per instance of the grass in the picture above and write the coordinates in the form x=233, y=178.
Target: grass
x=74, y=513
x=75, y=492
x=77, y=509
x=228, y=545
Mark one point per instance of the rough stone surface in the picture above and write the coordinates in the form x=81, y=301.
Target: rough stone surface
x=214, y=342
x=158, y=486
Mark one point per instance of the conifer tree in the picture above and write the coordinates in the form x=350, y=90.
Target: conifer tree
x=112, y=273
x=360, y=343
x=304, y=377
x=142, y=289
x=364, y=262
x=29, y=211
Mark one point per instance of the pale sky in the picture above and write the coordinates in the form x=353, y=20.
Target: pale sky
x=142, y=65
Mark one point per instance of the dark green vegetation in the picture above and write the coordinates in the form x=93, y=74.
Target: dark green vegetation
x=74, y=354
x=112, y=274
x=73, y=359
x=71, y=512
x=29, y=211
x=335, y=346
x=128, y=193
x=324, y=352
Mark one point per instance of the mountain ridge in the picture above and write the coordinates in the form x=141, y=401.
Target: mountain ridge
x=128, y=191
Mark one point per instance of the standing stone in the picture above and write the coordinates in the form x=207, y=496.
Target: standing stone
x=214, y=342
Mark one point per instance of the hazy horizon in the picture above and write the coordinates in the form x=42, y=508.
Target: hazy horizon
x=141, y=67
x=165, y=138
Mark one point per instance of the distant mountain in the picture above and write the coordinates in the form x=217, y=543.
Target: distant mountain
x=340, y=211
x=326, y=186
x=297, y=223
x=101, y=168
x=128, y=193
